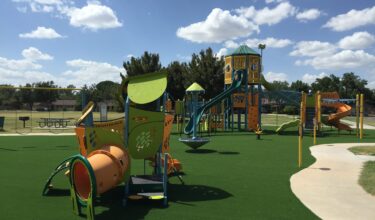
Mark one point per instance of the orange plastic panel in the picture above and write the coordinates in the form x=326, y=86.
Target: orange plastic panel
x=168, y=122
x=80, y=133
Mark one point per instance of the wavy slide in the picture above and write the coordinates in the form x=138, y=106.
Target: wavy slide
x=343, y=110
x=235, y=85
x=286, y=125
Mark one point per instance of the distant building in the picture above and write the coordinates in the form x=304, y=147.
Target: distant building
x=64, y=105
x=112, y=105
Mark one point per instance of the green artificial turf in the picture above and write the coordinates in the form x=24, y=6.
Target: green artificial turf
x=235, y=176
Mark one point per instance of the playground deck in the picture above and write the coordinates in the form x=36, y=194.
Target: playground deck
x=235, y=176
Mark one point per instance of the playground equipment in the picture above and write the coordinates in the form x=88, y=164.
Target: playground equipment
x=108, y=147
x=248, y=87
x=191, y=128
x=312, y=112
x=242, y=93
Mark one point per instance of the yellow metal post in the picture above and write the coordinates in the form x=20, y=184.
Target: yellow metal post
x=319, y=112
x=357, y=104
x=315, y=127
x=300, y=130
x=361, y=115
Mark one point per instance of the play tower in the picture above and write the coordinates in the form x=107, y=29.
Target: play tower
x=247, y=99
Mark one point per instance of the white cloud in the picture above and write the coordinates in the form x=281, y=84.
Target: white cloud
x=129, y=56
x=41, y=33
x=78, y=73
x=268, y=16
x=20, y=77
x=23, y=64
x=89, y=72
x=33, y=54
x=220, y=25
x=310, y=78
x=231, y=44
x=93, y=16
x=310, y=14
x=352, y=19
x=48, y=2
x=313, y=48
x=271, y=1
x=22, y=9
x=272, y=76
x=359, y=40
x=222, y=52
x=346, y=59
x=270, y=42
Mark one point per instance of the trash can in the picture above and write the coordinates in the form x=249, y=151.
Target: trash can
x=2, y=118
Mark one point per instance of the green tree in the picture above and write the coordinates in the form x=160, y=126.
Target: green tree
x=300, y=86
x=176, y=77
x=352, y=84
x=147, y=63
x=46, y=96
x=329, y=83
x=28, y=96
x=7, y=97
x=207, y=70
x=280, y=85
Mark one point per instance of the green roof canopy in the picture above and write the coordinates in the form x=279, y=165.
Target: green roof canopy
x=243, y=50
x=195, y=87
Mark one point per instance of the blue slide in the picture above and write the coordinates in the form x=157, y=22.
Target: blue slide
x=217, y=99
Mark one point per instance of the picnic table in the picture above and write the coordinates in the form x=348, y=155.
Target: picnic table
x=56, y=122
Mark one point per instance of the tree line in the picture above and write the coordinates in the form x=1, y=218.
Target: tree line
x=203, y=67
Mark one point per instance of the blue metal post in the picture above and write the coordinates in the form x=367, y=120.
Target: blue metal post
x=195, y=103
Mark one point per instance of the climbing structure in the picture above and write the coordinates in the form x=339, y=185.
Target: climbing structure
x=247, y=98
x=107, y=148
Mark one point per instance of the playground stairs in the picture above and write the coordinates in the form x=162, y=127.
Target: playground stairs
x=143, y=184
x=310, y=114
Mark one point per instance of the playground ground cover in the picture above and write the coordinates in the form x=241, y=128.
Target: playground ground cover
x=235, y=176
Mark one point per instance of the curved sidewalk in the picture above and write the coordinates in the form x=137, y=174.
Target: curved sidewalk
x=330, y=188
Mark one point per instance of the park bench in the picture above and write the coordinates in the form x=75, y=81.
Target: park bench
x=56, y=122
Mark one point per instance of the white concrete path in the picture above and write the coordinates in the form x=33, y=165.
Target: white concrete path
x=353, y=125
x=330, y=188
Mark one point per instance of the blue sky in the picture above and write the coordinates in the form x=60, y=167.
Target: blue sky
x=84, y=42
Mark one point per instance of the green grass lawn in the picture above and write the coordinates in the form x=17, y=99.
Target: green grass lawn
x=235, y=176
x=363, y=150
x=367, y=178
x=14, y=125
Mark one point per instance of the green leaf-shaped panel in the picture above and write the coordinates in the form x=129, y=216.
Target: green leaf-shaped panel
x=147, y=88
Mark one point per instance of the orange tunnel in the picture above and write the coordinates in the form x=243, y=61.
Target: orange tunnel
x=106, y=166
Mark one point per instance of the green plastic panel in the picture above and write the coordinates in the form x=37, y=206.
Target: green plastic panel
x=145, y=133
x=98, y=137
x=147, y=88
x=195, y=87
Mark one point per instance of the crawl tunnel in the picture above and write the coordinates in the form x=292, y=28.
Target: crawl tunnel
x=102, y=170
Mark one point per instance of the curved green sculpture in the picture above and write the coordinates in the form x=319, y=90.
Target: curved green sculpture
x=147, y=88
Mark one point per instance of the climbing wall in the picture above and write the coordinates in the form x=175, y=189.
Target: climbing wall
x=253, y=113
